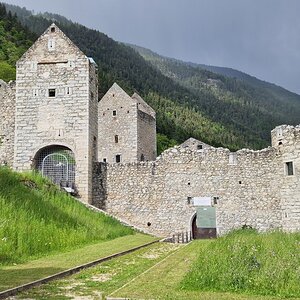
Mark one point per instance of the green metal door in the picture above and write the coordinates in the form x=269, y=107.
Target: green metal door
x=205, y=223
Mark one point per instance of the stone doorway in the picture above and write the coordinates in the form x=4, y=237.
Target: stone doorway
x=58, y=164
x=204, y=223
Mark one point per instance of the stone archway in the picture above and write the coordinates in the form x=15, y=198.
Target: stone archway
x=58, y=164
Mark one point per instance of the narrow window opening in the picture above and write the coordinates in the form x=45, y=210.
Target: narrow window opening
x=92, y=95
x=289, y=168
x=116, y=139
x=68, y=91
x=148, y=223
x=128, y=111
x=189, y=183
x=240, y=182
x=118, y=158
x=51, y=92
x=280, y=143
x=199, y=147
x=52, y=29
x=104, y=160
x=142, y=157
x=114, y=112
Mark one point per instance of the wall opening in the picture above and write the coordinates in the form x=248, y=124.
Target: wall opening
x=51, y=93
x=289, y=168
x=58, y=164
x=204, y=223
x=142, y=157
x=118, y=158
x=114, y=112
x=116, y=139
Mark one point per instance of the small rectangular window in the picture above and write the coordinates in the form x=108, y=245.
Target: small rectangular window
x=118, y=158
x=289, y=168
x=51, y=92
x=104, y=160
x=199, y=147
x=116, y=139
x=51, y=44
x=114, y=112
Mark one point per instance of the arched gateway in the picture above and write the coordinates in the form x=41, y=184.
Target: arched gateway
x=58, y=164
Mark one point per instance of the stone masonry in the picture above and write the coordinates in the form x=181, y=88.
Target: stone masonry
x=7, y=122
x=54, y=105
x=127, y=128
x=250, y=187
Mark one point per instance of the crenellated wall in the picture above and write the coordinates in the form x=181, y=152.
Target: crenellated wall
x=250, y=188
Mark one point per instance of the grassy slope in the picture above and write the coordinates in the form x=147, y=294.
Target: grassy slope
x=247, y=262
x=37, y=219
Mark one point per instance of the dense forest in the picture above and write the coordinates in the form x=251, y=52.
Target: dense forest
x=189, y=100
x=15, y=39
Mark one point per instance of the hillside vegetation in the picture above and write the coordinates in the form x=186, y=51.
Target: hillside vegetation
x=189, y=101
x=37, y=219
x=247, y=262
x=14, y=41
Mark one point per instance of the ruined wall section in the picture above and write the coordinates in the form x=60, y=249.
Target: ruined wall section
x=155, y=195
x=286, y=139
x=146, y=130
x=7, y=122
x=117, y=126
x=55, y=63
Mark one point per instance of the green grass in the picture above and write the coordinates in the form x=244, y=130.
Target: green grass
x=155, y=272
x=37, y=219
x=12, y=276
x=105, y=278
x=247, y=262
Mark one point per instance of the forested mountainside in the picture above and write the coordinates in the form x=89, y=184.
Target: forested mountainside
x=218, y=110
x=243, y=91
x=14, y=41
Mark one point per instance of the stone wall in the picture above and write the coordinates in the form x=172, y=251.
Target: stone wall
x=146, y=132
x=7, y=122
x=251, y=188
x=286, y=139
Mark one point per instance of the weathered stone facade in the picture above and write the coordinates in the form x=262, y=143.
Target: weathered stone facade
x=54, y=105
x=7, y=122
x=249, y=187
x=127, y=128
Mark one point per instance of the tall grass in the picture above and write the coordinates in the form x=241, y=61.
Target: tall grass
x=247, y=262
x=36, y=219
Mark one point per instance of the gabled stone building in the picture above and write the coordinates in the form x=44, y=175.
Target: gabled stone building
x=127, y=128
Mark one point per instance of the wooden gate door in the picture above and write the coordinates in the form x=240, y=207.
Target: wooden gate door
x=204, y=223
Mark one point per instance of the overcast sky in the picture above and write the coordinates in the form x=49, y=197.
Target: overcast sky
x=259, y=37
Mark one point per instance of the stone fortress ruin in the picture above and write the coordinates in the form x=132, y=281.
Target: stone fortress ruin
x=51, y=120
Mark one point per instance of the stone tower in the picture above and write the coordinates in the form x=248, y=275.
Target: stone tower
x=127, y=128
x=56, y=111
x=286, y=140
